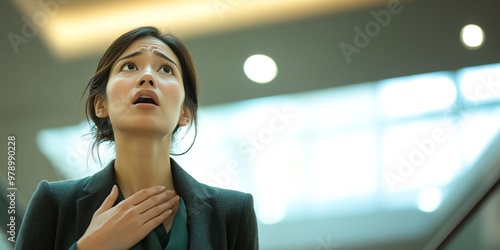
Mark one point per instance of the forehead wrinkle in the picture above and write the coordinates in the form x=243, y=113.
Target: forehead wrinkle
x=163, y=49
x=160, y=52
x=148, y=48
x=154, y=49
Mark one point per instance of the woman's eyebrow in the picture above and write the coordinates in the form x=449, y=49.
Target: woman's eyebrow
x=129, y=56
x=158, y=53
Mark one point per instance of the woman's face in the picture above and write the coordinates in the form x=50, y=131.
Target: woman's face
x=145, y=92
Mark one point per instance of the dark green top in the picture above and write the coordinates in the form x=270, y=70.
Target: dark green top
x=159, y=238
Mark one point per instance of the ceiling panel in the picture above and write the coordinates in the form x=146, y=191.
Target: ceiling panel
x=75, y=28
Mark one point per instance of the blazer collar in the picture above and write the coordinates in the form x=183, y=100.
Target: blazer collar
x=198, y=207
x=97, y=189
x=104, y=179
x=194, y=194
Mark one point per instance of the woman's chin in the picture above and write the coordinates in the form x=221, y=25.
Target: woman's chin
x=145, y=129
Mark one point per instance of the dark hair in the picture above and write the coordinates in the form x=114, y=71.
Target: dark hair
x=102, y=130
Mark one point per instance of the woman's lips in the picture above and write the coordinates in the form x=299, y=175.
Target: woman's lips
x=146, y=97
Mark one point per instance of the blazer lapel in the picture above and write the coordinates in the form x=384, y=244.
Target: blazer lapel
x=96, y=190
x=200, y=214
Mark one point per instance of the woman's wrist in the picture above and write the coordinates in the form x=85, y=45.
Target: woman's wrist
x=84, y=243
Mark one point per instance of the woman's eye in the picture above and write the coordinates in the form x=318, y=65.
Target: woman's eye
x=167, y=69
x=128, y=66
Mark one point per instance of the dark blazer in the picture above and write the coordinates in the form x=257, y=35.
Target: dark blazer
x=60, y=212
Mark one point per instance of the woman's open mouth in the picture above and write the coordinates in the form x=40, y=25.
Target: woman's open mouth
x=146, y=98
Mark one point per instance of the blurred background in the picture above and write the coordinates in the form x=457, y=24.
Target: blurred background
x=362, y=124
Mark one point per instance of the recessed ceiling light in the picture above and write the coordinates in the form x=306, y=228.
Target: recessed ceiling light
x=472, y=36
x=260, y=68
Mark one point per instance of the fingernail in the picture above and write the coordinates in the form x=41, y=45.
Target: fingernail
x=162, y=187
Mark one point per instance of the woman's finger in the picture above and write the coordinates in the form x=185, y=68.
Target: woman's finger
x=155, y=221
x=160, y=208
x=144, y=194
x=155, y=200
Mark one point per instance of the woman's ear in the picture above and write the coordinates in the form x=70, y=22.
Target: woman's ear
x=185, y=117
x=101, y=110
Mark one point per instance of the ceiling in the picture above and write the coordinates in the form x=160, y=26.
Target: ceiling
x=305, y=47
x=100, y=22
x=43, y=79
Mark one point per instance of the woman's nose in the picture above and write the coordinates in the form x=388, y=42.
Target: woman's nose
x=146, y=78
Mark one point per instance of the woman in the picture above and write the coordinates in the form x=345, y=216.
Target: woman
x=143, y=92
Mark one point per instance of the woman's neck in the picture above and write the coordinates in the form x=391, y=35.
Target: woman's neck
x=142, y=162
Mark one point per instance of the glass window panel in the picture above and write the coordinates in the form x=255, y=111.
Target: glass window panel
x=339, y=107
x=67, y=149
x=416, y=95
x=343, y=165
x=480, y=84
x=476, y=132
x=419, y=154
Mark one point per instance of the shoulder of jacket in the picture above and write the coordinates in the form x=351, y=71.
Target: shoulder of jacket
x=226, y=196
x=66, y=189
